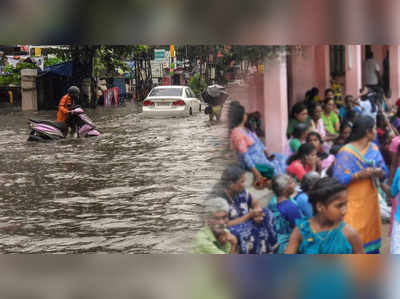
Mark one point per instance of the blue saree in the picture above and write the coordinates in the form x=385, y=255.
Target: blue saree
x=363, y=210
x=254, y=238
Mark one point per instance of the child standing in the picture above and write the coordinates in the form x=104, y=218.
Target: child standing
x=325, y=232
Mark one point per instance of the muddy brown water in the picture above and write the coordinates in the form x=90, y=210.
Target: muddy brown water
x=135, y=189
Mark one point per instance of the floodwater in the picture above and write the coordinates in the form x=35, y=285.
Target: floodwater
x=136, y=189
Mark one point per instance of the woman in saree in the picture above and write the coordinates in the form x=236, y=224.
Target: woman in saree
x=299, y=114
x=360, y=166
x=395, y=219
x=253, y=226
x=252, y=153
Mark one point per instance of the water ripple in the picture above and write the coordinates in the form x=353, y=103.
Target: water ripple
x=136, y=189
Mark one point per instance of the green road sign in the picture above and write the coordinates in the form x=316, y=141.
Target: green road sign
x=159, y=54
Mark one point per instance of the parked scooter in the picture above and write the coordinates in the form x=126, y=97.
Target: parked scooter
x=80, y=123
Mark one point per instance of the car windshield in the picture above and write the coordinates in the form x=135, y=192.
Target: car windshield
x=166, y=92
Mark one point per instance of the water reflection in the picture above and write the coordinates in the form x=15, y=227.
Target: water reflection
x=136, y=189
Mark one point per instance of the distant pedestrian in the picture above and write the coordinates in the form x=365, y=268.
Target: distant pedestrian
x=371, y=71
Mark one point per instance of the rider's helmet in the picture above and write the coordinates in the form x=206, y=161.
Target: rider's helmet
x=74, y=92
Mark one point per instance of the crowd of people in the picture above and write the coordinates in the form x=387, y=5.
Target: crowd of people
x=340, y=166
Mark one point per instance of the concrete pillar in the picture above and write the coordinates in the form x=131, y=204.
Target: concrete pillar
x=28, y=90
x=394, y=58
x=275, y=103
x=353, y=69
x=322, y=68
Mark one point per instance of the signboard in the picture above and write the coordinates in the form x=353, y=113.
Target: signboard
x=38, y=52
x=172, y=50
x=156, y=69
x=260, y=69
x=159, y=55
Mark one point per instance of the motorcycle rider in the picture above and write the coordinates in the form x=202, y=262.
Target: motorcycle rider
x=66, y=102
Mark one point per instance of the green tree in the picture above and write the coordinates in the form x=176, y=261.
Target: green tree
x=96, y=61
x=13, y=74
x=197, y=84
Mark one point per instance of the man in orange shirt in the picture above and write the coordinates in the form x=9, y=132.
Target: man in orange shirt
x=66, y=102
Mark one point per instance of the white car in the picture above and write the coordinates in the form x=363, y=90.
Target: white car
x=171, y=101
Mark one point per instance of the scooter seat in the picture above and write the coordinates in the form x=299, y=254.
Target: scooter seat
x=60, y=126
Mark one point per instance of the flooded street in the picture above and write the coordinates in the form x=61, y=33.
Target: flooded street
x=135, y=189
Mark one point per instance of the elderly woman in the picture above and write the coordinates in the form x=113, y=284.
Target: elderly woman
x=252, y=153
x=301, y=198
x=252, y=225
x=214, y=238
x=284, y=209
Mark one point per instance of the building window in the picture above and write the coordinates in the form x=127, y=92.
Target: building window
x=337, y=60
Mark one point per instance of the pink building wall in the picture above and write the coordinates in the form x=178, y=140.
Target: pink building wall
x=242, y=95
x=394, y=57
x=301, y=74
x=288, y=81
x=322, y=68
x=311, y=69
x=252, y=97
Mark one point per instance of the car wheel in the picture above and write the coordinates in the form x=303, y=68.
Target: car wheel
x=190, y=111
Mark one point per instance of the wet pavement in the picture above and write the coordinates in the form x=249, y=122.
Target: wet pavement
x=135, y=189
